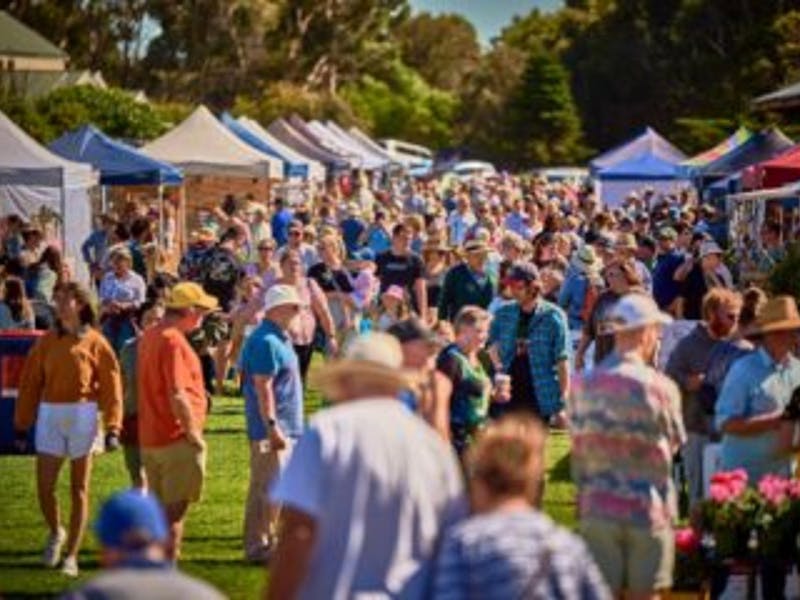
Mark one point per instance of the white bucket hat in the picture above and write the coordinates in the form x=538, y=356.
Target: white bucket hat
x=634, y=311
x=279, y=295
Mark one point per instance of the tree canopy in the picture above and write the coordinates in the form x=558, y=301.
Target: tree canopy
x=551, y=85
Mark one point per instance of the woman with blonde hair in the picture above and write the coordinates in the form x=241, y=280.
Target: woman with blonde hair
x=507, y=548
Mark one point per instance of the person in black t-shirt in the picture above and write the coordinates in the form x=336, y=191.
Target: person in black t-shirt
x=399, y=266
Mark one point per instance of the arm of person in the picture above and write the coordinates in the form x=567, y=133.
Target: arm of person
x=31, y=387
x=583, y=345
x=319, y=304
x=293, y=554
x=563, y=377
x=421, y=294
x=682, y=272
x=560, y=341
x=109, y=385
x=732, y=410
x=267, y=407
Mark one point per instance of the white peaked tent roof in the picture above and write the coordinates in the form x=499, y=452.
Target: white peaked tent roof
x=316, y=170
x=201, y=145
x=23, y=161
x=369, y=159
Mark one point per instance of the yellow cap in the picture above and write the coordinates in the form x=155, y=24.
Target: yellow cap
x=188, y=295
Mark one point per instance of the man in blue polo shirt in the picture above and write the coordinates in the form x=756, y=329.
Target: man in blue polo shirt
x=273, y=393
x=665, y=288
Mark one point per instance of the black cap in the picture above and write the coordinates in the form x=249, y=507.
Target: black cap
x=413, y=329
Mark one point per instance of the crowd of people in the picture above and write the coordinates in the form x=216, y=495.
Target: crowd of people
x=459, y=326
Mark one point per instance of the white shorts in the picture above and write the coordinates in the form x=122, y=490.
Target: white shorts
x=66, y=429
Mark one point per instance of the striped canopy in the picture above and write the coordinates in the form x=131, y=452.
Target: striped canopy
x=740, y=137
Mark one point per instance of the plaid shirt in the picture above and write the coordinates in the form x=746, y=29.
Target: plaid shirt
x=548, y=336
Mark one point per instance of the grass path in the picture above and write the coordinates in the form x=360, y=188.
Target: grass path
x=212, y=549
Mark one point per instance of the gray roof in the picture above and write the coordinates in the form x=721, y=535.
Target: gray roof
x=783, y=98
x=17, y=39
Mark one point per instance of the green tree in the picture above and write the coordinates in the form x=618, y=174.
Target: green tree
x=543, y=120
x=444, y=49
x=404, y=106
x=114, y=111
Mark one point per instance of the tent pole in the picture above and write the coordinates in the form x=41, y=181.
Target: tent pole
x=103, y=200
x=160, y=215
x=63, y=203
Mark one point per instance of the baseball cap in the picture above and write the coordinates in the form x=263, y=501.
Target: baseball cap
x=281, y=294
x=188, y=294
x=636, y=310
x=413, y=329
x=131, y=520
x=523, y=271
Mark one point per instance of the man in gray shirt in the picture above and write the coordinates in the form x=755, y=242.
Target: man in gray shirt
x=369, y=490
x=688, y=364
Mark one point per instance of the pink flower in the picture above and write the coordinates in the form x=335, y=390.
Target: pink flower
x=774, y=489
x=794, y=489
x=720, y=493
x=687, y=540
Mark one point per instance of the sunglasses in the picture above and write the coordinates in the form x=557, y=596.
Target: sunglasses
x=266, y=248
x=295, y=232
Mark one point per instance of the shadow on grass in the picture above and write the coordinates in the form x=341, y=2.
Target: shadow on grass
x=561, y=470
x=224, y=431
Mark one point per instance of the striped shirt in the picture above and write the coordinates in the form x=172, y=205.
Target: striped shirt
x=515, y=555
x=626, y=426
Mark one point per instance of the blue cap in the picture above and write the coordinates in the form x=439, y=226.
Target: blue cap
x=363, y=254
x=130, y=520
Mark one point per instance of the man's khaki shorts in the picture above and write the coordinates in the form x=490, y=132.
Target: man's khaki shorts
x=175, y=473
x=631, y=558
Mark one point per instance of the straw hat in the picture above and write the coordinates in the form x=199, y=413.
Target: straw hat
x=778, y=314
x=626, y=241
x=475, y=246
x=372, y=357
x=586, y=260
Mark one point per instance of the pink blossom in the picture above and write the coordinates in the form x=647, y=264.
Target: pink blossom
x=720, y=493
x=687, y=540
x=774, y=489
x=794, y=489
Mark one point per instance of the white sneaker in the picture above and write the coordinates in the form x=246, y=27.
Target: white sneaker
x=52, y=550
x=70, y=567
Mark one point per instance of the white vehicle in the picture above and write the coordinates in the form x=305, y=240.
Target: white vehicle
x=468, y=169
x=556, y=174
x=411, y=156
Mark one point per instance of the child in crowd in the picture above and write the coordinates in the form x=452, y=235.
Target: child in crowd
x=393, y=308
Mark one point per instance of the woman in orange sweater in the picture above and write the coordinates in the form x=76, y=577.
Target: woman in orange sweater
x=69, y=373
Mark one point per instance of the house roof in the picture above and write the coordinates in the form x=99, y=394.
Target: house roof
x=17, y=39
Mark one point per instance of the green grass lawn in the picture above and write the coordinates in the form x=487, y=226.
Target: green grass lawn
x=212, y=548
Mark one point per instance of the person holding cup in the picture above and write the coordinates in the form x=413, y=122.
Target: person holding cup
x=472, y=387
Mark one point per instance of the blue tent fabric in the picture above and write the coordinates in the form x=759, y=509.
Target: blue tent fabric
x=117, y=163
x=648, y=142
x=643, y=166
x=290, y=169
x=760, y=147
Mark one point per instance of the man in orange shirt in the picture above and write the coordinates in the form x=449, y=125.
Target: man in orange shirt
x=172, y=407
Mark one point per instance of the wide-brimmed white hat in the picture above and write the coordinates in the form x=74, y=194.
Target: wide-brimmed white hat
x=709, y=247
x=634, y=311
x=281, y=294
x=374, y=356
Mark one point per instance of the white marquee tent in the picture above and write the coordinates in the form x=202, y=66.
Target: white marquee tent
x=33, y=179
x=316, y=170
x=201, y=145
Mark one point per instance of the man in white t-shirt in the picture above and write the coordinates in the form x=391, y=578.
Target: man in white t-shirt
x=369, y=490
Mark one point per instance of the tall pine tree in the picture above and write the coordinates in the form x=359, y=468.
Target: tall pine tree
x=544, y=122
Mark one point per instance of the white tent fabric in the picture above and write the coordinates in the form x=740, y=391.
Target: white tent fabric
x=23, y=161
x=201, y=145
x=32, y=178
x=368, y=159
x=329, y=141
x=316, y=170
x=369, y=143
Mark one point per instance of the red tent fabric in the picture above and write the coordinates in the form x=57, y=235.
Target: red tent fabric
x=782, y=169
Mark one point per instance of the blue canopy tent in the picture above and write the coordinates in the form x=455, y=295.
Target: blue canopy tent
x=290, y=168
x=117, y=163
x=646, y=169
x=648, y=142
